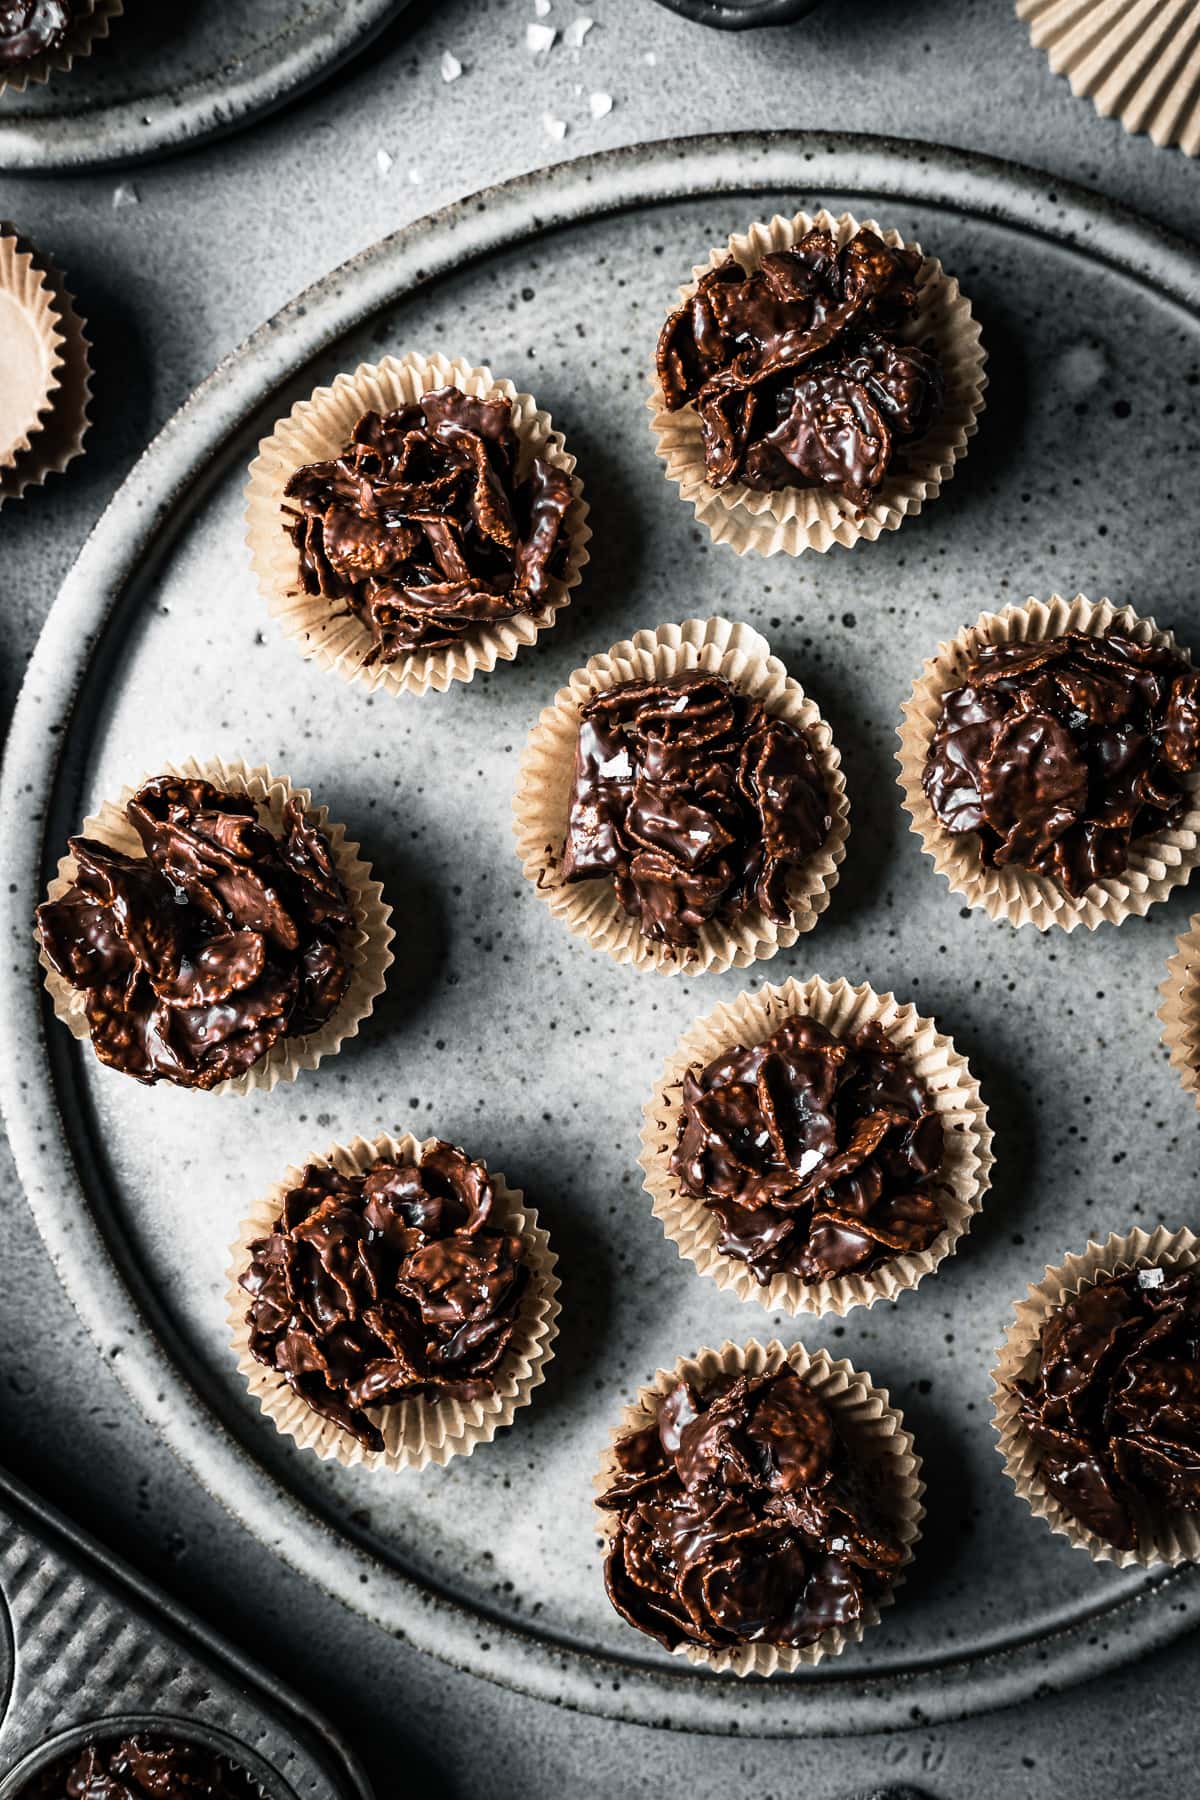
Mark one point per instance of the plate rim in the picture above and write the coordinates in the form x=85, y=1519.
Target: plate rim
x=41, y=782
x=208, y=107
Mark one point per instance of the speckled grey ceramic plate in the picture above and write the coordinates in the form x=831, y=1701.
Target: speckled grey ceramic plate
x=168, y=76
x=504, y=1033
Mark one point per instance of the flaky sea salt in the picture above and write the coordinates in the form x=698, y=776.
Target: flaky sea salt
x=451, y=67
x=577, y=30
x=126, y=195
x=600, y=105
x=1150, y=1278
x=554, y=128
x=383, y=161
x=541, y=8
x=539, y=38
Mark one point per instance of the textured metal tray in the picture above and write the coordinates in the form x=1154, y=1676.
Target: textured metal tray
x=741, y=15
x=85, y=1643
x=503, y=1033
x=175, y=75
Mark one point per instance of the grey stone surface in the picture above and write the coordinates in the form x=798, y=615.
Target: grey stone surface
x=159, y=273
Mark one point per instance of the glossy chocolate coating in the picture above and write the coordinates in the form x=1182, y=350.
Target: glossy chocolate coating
x=797, y=371
x=819, y=1155
x=28, y=28
x=694, y=801
x=1114, y=1408
x=386, y=1286
x=1061, y=753
x=142, y=1767
x=741, y=1517
x=200, y=955
x=421, y=527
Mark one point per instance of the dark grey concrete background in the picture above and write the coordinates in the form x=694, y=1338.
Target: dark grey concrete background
x=173, y=265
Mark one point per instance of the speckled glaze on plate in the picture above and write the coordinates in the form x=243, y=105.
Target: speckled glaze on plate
x=538, y=1054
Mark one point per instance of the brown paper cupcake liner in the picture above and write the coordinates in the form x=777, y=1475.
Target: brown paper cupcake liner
x=370, y=956
x=1138, y=63
x=92, y=23
x=318, y=429
x=1165, y=1537
x=963, y=1180
x=796, y=519
x=1179, y=1013
x=1022, y=896
x=873, y=1429
x=43, y=312
x=416, y=1432
x=541, y=804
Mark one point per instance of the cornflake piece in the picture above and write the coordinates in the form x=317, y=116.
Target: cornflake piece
x=539, y=38
x=451, y=67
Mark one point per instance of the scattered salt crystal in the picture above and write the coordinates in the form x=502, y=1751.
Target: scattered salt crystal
x=649, y=59
x=414, y=175
x=541, y=8
x=577, y=30
x=451, y=67
x=577, y=88
x=555, y=128
x=539, y=38
x=601, y=105
x=383, y=161
x=126, y=195
x=1150, y=1278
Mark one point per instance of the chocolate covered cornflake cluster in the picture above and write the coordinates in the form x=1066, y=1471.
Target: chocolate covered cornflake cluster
x=28, y=28
x=422, y=528
x=819, y=1155
x=1061, y=753
x=694, y=801
x=142, y=1767
x=388, y=1286
x=740, y=1516
x=798, y=369
x=1114, y=1407
x=198, y=956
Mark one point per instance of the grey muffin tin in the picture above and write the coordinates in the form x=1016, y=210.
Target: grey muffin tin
x=89, y=1650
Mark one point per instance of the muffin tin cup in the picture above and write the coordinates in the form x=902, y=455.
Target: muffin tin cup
x=590, y=909
x=318, y=429
x=46, y=387
x=91, y=24
x=1135, y=63
x=793, y=520
x=107, y=1733
x=1164, y=1537
x=874, y=1431
x=1179, y=1012
x=416, y=1432
x=964, y=1176
x=369, y=954
x=1157, y=864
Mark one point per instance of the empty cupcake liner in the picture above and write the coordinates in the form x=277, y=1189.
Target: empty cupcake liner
x=92, y=21
x=45, y=368
x=1022, y=896
x=1165, y=1537
x=1179, y=1013
x=1136, y=60
x=793, y=520
x=541, y=804
x=964, y=1177
x=874, y=1431
x=370, y=956
x=416, y=1432
x=318, y=429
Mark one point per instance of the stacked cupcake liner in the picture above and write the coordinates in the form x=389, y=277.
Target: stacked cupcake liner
x=45, y=369
x=1138, y=62
x=793, y=520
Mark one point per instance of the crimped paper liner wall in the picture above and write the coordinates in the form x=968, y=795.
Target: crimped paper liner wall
x=792, y=520
x=63, y=423
x=368, y=949
x=873, y=1429
x=1022, y=896
x=1139, y=62
x=91, y=24
x=1179, y=1013
x=542, y=801
x=416, y=1432
x=319, y=428
x=31, y=350
x=963, y=1177
x=1165, y=1537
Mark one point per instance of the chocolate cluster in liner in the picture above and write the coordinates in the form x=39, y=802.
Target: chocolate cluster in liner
x=797, y=369
x=818, y=1154
x=1062, y=752
x=422, y=528
x=741, y=1517
x=142, y=1767
x=387, y=1286
x=694, y=800
x=28, y=28
x=1114, y=1407
x=200, y=955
